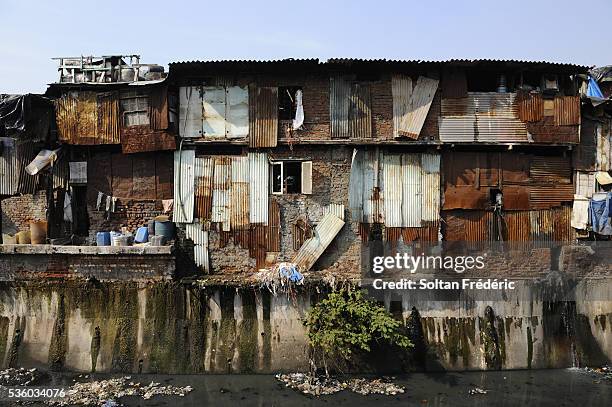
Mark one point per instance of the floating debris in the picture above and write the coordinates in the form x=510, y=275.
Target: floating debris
x=20, y=377
x=105, y=393
x=477, y=390
x=321, y=386
x=603, y=373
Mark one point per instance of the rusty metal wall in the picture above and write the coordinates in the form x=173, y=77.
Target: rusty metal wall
x=530, y=106
x=420, y=102
x=274, y=228
x=365, y=192
x=360, y=113
x=184, y=185
x=471, y=226
x=222, y=186
x=263, y=107
x=482, y=116
x=108, y=118
x=239, y=203
x=567, y=110
x=401, y=90
x=551, y=169
x=548, y=196
x=430, y=187
x=339, y=96
x=204, y=173
x=259, y=180
x=9, y=166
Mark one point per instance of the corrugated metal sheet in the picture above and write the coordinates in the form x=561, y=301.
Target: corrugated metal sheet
x=190, y=111
x=258, y=245
x=259, y=179
x=313, y=248
x=567, y=110
x=239, y=204
x=430, y=187
x=393, y=196
x=470, y=226
x=108, y=118
x=401, y=89
x=484, y=129
x=60, y=173
x=551, y=169
x=204, y=173
x=482, y=116
x=411, y=190
x=214, y=109
x=196, y=232
x=66, y=117
x=360, y=113
x=420, y=102
x=184, y=185
x=562, y=220
x=339, y=97
x=274, y=228
x=158, y=107
x=585, y=183
x=548, y=196
x=25, y=154
x=9, y=166
x=222, y=186
x=237, y=114
x=365, y=194
x=336, y=209
x=264, y=117
x=530, y=106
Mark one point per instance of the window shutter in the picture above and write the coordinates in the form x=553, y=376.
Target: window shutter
x=307, y=177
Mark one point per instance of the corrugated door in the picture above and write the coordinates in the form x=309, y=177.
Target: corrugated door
x=66, y=118
x=108, y=118
x=237, y=113
x=204, y=173
x=264, y=117
x=412, y=194
x=195, y=232
x=401, y=89
x=430, y=166
x=567, y=110
x=214, y=111
x=339, y=99
x=9, y=166
x=259, y=175
x=239, y=213
x=420, y=102
x=392, y=178
x=190, y=111
x=360, y=114
x=184, y=185
x=313, y=248
x=222, y=181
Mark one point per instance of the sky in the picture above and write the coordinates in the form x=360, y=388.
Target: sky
x=32, y=32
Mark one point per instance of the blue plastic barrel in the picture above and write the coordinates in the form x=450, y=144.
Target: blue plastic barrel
x=103, y=238
x=165, y=229
x=142, y=235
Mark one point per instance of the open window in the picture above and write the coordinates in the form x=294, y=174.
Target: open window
x=291, y=177
x=287, y=102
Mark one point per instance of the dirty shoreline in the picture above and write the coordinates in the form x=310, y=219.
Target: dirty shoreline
x=555, y=387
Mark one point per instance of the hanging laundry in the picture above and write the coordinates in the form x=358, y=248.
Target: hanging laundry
x=99, y=201
x=67, y=208
x=580, y=212
x=299, y=111
x=167, y=205
x=599, y=214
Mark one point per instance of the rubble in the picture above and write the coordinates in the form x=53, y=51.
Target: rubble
x=20, y=377
x=321, y=386
x=106, y=393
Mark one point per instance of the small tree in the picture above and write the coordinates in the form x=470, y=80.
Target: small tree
x=346, y=323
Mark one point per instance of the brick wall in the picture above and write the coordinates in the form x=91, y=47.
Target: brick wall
x=19, y=211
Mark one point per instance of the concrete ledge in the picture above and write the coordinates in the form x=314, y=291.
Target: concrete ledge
x=87, y=250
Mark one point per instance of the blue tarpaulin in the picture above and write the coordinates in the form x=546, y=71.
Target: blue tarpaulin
x=593, y=89
x=599, y=212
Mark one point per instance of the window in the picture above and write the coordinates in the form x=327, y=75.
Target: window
x=286, y=102
x=135, y=108
x=292, y=177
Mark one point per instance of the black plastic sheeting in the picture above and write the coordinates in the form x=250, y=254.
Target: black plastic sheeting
x=26, y=116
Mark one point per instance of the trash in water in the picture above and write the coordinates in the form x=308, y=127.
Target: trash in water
x=477, y=390
x=104, y=393
x=320, y=386
x=20, y=377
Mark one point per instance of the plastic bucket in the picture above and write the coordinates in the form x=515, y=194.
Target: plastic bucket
x=103, y=238
x=142, y=235
x=157, y=240
x=165, y=229
x=23, y=237
x=38, y=232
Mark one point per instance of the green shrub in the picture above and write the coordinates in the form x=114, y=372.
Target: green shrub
x=346, y=323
